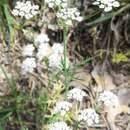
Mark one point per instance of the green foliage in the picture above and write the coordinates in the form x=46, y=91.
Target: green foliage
x=119, y=57
x=2, y=2
x=19, y=104
x=7, y=22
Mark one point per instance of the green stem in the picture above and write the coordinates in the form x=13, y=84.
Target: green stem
x=65, y=57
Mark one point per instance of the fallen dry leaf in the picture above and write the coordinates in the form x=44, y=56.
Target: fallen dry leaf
x=103, y=79
x=124, y=98
x=82, y=79
x=112, y=112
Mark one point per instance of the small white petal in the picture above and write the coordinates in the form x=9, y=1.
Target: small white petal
x=15, y=12
x=107, y=9
x=102, y=6
x=41, y=38
x=116, y=4
x=96, y=3
x=21, y=13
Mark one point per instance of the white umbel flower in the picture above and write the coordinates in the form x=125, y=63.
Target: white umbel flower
x=62, y=107
x=41, y=38
x=28, y=50
x=76, y=94
x=88, y=116
x=58, y=48
x=56, y=59
x=107, y=5
x=68, y=15
x=59, y=126
x=108, y=99
x=56, y=3
x=25, y=9
x=28, y=65
x=44, y=50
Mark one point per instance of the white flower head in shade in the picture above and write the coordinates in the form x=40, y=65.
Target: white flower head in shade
x=41, y=39
x=76, y=94
x=28, y=50
x=44, y=50
x=28, y=65
x=59, y=126
x=88, y=116
x=62, y=107
x=25, y=9
x=58, y=48
x=55, y=61
x=108, y=99
x=107, y=5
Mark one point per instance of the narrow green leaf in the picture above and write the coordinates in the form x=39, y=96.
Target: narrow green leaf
x=1, y=127
x=10, y=22
x=2, y=2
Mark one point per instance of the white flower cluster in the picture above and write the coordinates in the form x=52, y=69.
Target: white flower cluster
x=107, y=5
x=44, y=50
x=55, y=60
x=41, y=39
x=57, y=57
x=25, y=9
x=42, y=43
x=56, y=3
x=65, y=13
x=68, y=15
x=55, y=54
x=59, y=126
x=108, y=99
x=76, y=94
x=28, y=50
x=88, y=116
x=58, y=48
x=28, y=65
x=62, y=107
